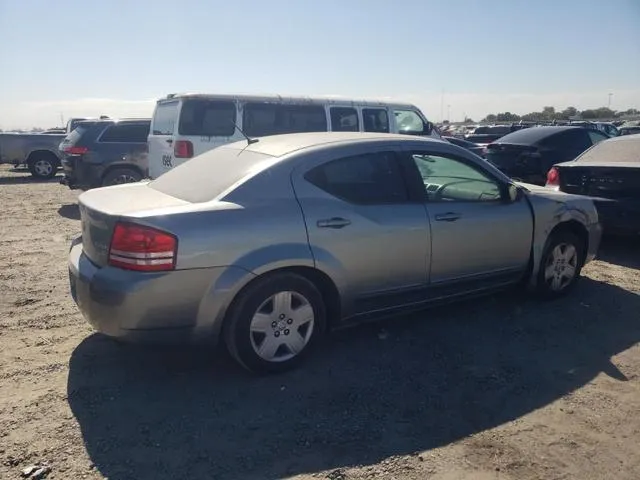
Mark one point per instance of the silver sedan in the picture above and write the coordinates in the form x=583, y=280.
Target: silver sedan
x=267, y=245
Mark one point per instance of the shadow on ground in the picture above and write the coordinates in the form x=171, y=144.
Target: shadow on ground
x=624, y=251
x=70, y=211
x=436, y=378
x=28, y=178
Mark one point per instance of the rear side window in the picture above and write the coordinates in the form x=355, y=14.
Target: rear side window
x=164, y=118
x=344, y=119
x=597, y=137
x=570, y=142
x=375, y=120
x=369, y=179
x=126, y=133
x=208, y=118
x=263, y=119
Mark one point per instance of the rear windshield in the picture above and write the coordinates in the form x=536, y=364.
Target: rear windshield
x=206, y=176
x=618, y=151
x=208, y=118
x=164, y=118
x=76, y=134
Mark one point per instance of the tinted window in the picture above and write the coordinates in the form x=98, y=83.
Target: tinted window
x=126, y=133
x=409, y=122
x=263, y=119
x=369, y=179
x=207, y=118
x=570, y=143
x=164, y=118
x=344, y=119
x=597, y=137
x=375, y=120
x=448, y=179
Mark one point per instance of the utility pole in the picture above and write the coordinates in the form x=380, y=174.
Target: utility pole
x=442, y=106
x=609, y=105
x=449, y=113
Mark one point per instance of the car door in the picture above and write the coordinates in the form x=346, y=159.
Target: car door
x=161, y=137
x=478, y=236
x=125, y=144
x=362, y=228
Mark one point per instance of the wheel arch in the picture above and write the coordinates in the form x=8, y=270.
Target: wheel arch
x=40, y=152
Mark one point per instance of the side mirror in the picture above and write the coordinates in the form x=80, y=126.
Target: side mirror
x=514, y=193
x=428, y=128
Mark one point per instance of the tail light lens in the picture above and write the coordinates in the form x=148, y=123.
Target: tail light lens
x=553, y=177
x=183, y=149
x=145, y=249
x=76, y=150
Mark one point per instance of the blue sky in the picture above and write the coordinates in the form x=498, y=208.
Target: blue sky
x=85, y=58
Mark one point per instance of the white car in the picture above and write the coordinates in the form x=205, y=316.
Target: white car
x=187, y=125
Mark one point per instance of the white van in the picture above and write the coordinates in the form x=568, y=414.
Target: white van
x=187, y=125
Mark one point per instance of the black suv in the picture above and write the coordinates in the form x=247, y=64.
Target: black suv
x=99, y=153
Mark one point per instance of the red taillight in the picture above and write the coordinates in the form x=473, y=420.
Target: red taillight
x=76, y=150
x=146, y=249
x=183, y=149
x=553, y=177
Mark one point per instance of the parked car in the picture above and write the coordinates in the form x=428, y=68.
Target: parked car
x=187, y=125
x=38, y=151
x=610, y=173
x=472, y=147
x=100, y=153
x=266, y=245
x=527, y=155
x=629, y=130
x=606, y=127
x=489, y=133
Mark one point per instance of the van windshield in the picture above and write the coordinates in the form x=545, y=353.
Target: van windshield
x=206, y=176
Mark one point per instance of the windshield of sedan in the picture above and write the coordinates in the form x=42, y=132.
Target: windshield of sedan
x=206, y=176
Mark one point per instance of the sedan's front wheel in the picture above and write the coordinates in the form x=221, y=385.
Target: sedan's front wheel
x=561, y=264
x=275, y=322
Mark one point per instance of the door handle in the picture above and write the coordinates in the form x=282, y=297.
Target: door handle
x=448, y=217
x=335, y=222
x=169, y=141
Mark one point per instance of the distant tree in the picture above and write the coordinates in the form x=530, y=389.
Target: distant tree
x=490, y=118
x=468, y=120
x=567, y=113
x=602, y=112
x=507, y=117
x=548, y=113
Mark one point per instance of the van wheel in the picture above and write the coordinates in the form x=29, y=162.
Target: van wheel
x=560, y=265
x=118, y=176
x=275, y=322
x=43, y=166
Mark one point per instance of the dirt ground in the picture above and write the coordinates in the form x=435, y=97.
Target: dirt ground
x=500, y=388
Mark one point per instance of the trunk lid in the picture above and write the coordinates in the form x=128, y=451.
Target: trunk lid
x=101, y=208
x=612, y=181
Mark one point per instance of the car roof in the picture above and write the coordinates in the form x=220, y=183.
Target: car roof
x=310, y=100
x=533, y=135
x=280, y=145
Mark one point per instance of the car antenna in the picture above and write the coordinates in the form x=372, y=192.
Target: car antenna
x=249, y=139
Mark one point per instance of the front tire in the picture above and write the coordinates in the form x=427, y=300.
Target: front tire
x=560, y=265
x=275, y=322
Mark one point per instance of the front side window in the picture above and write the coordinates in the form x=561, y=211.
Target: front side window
x=447, y=179
x=367, y=179
x=409, y=122
x=375, y=120
x=126, y=133
x=208, y=118
x=263, y=119
x=164, y=118
x=344, y=119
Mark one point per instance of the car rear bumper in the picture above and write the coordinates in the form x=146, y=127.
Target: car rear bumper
x=619, y=217
x=161, y=307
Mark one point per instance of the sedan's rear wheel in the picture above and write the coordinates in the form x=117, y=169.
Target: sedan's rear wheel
x=275, y=322
x=560, y=265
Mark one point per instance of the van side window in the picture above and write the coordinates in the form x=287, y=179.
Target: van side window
x=409, y=122
x=262, y=119
x=375, y=120
x=208, y=118
x=126, y=133
x=164, y=118
x=344, y=119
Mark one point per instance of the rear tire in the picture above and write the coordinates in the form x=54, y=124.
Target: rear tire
x=44, y=166
x=118, y=176
x=275, y=322
x=560, y=265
